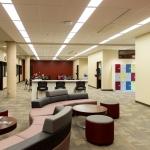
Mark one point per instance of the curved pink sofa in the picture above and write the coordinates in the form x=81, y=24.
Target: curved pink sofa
x=37, y=117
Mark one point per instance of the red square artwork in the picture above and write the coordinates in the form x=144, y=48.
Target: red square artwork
x=117, y=68
x=132, y=76
x=117, y=85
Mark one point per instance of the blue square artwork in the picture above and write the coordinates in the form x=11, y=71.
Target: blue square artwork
x=128, y=85
x=128, y=68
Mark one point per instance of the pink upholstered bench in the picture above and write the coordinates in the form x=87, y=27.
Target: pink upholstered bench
x=38, y=116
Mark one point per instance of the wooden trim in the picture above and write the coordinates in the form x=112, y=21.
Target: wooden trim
x=142, y=103
x=92, y=86
x=107, y=90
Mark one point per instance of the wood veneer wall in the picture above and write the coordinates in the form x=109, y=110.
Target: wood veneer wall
x=51, y=68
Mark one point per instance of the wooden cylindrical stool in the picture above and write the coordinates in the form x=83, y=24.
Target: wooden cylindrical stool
x=99, y=129
x=112, y=108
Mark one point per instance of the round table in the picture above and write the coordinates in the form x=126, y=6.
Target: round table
x=86, y=110
x=3, y=112
x=89, y=109
x=7, y=124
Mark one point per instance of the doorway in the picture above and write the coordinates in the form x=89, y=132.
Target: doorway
x=98, y=74
x=77, y=72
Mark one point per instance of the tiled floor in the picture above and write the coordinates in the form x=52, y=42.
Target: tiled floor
x=132, y=129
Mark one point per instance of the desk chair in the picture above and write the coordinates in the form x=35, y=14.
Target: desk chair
x=60, y=85
x=26, y=84
x=30, y=85
x=80, y=86
x=42, y=86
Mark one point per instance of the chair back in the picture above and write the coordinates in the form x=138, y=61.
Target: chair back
x=42, y=84
x=60, y=84
x=80, y=84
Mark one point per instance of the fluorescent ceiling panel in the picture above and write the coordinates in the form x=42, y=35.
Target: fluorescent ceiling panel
x=115, y=36
x=6, y=1
x=24, y=33
x=130, y=28
x=77, y=27
x=71, y=35
x=19, y=25
x=27, y=39
x=94, y=3
x=85, y=51
x=11, y=11
x=86, y=14
x=59, y=51
x=82, y=19
x=70, y=58
x=145, y=21
x=67, y=40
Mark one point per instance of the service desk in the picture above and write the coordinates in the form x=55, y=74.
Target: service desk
x=69, y=84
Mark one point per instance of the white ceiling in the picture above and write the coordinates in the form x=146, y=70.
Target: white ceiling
x=43, y=20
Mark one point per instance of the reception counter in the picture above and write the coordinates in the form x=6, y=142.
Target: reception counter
x=69, y=84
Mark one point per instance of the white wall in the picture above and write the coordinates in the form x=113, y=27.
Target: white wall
x=83, y=67
x=92, y=64
x=110, y=57
x=142, y=88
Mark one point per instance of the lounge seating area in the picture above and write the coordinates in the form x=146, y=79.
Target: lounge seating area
x=43, y=122
x=74, y=75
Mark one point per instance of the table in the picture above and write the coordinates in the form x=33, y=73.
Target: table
x=86, y=110
x=3, y=112
x=89, y=109
x=7, y=124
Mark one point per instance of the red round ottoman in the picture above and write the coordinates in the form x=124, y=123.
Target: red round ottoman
x=99, y=129
x=112, y=108
x=3, y=112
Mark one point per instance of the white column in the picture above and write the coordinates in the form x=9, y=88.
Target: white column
x=11, y=69
x=27, y=68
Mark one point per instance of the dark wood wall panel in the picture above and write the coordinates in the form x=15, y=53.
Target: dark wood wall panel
x=52, y=68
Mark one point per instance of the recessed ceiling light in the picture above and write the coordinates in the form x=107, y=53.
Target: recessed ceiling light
x=4, y=46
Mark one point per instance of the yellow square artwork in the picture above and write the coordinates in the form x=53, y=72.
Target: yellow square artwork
x=123, y=76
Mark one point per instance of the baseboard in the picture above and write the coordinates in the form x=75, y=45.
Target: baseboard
x=142, y=103
x=92, y=86
x=107, y=90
